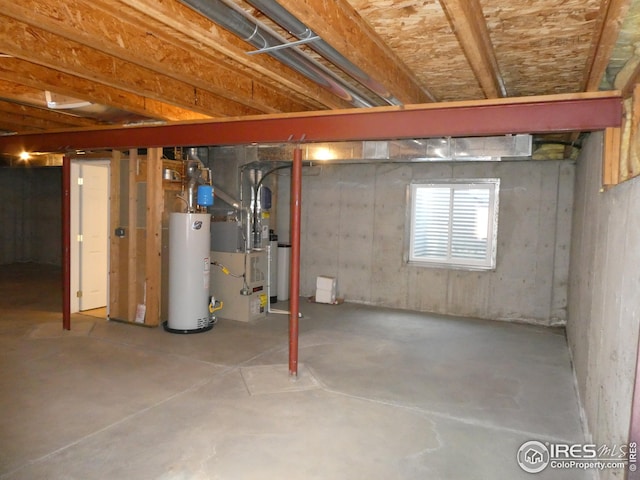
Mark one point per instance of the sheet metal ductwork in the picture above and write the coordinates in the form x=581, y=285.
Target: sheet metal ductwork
x=233, y=18
x=295, y=27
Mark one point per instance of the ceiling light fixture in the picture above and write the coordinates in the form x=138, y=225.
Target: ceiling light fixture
x=323, y=154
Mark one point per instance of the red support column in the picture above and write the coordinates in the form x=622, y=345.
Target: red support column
x=66, y=243
x=294, y=280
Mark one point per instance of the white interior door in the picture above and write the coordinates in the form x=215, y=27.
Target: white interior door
x=94, y=232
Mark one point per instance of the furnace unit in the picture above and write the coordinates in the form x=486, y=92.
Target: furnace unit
x=239, y=280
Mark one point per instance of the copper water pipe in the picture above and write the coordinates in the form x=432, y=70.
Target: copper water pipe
x=294, y=279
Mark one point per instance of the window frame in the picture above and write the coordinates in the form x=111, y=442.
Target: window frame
x=489, y=261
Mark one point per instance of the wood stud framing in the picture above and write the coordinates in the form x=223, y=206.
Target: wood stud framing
x=164, y=61
x=115, y=251
x=219, y=44
x=338, y=24
x=467, y=21
x=608, y=26
x=132, y=234
x=44, y=78
x=631, y=159
x=135, y=276
x=611, y=158
x=622, y=146
x=153, y=240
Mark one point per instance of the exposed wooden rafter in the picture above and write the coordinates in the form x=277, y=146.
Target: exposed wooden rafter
x=20, y=122
x=24, y=115
x=45, y=78
x=187, y=26
x=607, y=28
x=31, y=101
x=10, y=90
x=9, y=126
x=632, y=82
x=467, y=21
x=28, y=41
x=338, y=24
x=123, y=39
x=163, y=60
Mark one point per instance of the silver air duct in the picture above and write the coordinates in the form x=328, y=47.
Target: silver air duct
x=197, y=175
x=225, y=197
x=251, y=30
x=295, y=27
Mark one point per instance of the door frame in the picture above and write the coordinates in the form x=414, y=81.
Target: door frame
x=75, y=212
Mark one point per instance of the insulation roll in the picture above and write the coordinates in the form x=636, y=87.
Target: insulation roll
x=284, y=259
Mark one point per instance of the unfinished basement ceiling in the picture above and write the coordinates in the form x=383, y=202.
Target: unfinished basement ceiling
x=149, y=61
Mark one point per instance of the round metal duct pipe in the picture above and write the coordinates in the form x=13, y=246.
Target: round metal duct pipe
x=233, y=18
x=295, y=27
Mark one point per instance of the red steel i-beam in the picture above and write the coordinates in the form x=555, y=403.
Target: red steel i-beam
x=66, y=243
x=294, y=280
x=583, y=112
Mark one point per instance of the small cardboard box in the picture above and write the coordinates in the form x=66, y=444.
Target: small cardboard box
x=325, y=296
x=326, y=283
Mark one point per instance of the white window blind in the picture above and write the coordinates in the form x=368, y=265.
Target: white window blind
x=454, y=223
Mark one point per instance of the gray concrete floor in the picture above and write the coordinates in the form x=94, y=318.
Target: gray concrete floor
x=382, y=394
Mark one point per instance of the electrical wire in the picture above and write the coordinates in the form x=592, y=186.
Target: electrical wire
x=226, y=271
x=245, y=286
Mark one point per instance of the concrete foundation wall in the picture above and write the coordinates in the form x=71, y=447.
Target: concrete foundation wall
x=30, y=215
x=354, y=228
x=604, y=301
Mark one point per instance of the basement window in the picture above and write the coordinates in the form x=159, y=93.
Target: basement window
x=454, y=224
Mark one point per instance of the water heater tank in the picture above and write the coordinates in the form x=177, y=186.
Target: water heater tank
x=189, y=265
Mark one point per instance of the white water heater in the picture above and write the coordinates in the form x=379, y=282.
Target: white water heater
x=189, y=266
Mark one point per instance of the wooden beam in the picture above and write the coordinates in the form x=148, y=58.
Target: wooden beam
x=467, y=21
x=12, y=127
x=44, y=48
x=340, y=25
x=544, y=114
x=612, y=13
x=190, y=28
x=205, y=65
x=153, y=241
x=44, y=78
x=611, y=160
x=132, y=245
x=93, y=24
x=17, y=92
x=632, y=82
x=51, y=119
x=115, y=242
x=20, y=121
